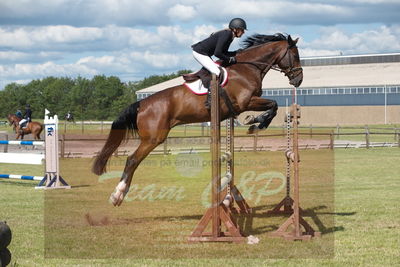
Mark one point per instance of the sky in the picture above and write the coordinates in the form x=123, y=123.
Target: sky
x=136, y=39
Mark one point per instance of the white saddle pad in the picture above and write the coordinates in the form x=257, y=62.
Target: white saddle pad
x=198, y=88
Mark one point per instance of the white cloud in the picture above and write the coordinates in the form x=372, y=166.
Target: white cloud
x=157, y=60
x=7, y=57
x=181, y=12
x=46, y=36
x=74, y=39
x=99, y=13
x=83, y=13
x=128, y=39
x=382, y=39
x=22, y=71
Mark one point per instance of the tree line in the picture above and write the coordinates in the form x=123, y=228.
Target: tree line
x=99, y=98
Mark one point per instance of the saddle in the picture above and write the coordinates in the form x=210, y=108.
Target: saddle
x=204, y=75
x=24, y=125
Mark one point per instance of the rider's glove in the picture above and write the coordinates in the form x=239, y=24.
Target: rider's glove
x=232, y=60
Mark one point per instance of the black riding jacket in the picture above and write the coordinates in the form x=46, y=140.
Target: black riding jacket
x=28, y=114
x=217, y=44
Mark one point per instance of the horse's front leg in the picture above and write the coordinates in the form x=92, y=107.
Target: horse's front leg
x=18, y=132
x=270, y=108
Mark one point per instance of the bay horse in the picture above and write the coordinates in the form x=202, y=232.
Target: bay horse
x=33, y=127
x=153, y=117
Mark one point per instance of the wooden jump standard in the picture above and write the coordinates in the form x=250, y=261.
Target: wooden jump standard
x=295, y=220
x=223, y=198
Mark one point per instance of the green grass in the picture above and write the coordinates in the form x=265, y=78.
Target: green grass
x=357, y=212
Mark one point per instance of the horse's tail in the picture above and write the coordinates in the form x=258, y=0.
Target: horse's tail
x=125, y=123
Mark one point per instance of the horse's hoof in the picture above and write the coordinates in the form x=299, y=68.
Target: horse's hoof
x=113, y=199
x=249, y=120
x=253, y=129
x=116, y=198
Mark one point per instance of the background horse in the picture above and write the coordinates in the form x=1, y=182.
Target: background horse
x=153, y=117
x=69, y=117
x=35, y=128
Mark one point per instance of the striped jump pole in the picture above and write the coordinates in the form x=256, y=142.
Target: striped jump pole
x=21, y=177
x=23, y=143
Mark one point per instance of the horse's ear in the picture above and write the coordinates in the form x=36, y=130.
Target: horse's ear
x=292, y=42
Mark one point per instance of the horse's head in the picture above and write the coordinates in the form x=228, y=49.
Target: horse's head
x=260, y=49
x=289, y=63
x=12, y=120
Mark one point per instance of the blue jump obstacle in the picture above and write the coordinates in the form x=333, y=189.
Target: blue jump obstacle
x=25, y=143
x=22, y=177
x=51, y=178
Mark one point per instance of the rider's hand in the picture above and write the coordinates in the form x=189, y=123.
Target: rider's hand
x=232, y=60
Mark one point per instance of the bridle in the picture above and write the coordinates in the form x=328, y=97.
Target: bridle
x=291, y=72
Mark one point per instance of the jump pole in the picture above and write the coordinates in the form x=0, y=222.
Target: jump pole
x=221, y=211
x=295, y=221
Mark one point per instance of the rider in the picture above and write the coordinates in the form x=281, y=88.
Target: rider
x=18, y=113
x=27, y=115
x=217, y=44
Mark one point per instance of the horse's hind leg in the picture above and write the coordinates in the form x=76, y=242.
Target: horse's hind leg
x=146, y=146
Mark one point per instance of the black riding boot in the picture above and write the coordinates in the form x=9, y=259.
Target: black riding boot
x=207, y=84
x=207, y=103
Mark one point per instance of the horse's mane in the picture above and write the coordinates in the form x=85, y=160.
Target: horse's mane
x=258, y=39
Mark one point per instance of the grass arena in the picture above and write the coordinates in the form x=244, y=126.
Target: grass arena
x=349, y=195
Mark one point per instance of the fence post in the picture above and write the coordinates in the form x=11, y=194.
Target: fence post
x=102, y=126
x=255, y=137
x=337, y=131
x=6, y=146
x=82, y=126
x=311, y=133
x=366, y=136
x=166, y=146
x=62, y=150
x=332, y=141
x=398, y=139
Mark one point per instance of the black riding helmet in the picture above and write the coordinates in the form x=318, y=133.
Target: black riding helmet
x=238, y=23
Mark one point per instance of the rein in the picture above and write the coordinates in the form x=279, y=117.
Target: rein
x=267, y=66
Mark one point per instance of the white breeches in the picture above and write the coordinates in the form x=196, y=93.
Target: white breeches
x=207, y=62
x=22, y=121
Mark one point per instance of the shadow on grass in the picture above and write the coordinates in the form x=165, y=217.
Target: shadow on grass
x=79, y=186
x=20, y=183
x=246, y=221
x=313, y=214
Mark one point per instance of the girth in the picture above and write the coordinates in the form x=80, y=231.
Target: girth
x=228, y=102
